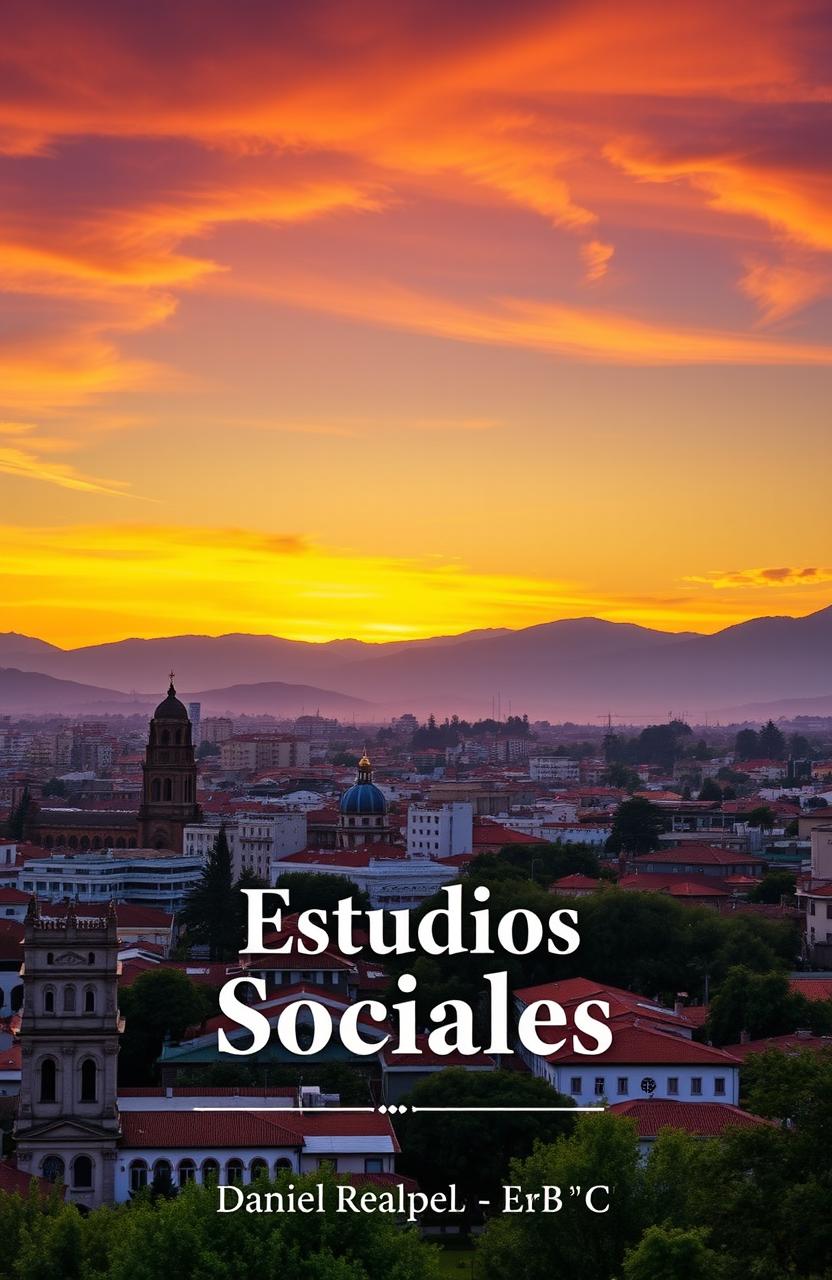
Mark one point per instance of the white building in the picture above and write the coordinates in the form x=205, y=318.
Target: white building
x=388, y=876
x=651, y=1055
x=439, y=831
x=554, y=769
x=254, y=839
x=145, y=876
x=815, y=896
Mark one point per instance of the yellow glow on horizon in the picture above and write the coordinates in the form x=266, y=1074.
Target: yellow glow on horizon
x=97, y=583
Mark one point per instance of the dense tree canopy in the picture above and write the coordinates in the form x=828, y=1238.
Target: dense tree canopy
x=306, y=890
x=468, y=1148
x=636, y=827
x=160, y=1002
x=185, y=1237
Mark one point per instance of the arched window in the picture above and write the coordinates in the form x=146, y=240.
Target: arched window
x=49, y=1000
x=168, y=792
x=50, y=957
x=186, y=1172
x=234, y=1171
x=165, y=738
x=82, y=1172
x=210, y=1170
x=90, y=957
x=281, y=1164
x=89, y=1000
x=69, y=999
x=162, y=1175
x=138, y=1175
x=89, y=1080
x=53, y=1169
x=258, y=1169
x=156, y=789
x=48, y=1080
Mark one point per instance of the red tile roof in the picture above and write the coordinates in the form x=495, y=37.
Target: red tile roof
x=570, y=991
x=794, y=1043
x=702, y=1119
x=812, y=988
x=236, y=1128
x=13, y=1180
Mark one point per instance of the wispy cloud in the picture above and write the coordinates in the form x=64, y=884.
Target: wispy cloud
x=781, y=576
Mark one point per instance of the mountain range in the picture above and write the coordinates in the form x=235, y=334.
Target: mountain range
x=576, y=669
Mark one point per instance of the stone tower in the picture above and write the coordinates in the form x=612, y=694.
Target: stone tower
x=67, y=1123
x=168, y=778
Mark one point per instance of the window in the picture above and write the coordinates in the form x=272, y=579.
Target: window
x=82, y=1172
x=210, y=1170
x=48, y=1080
x=234, y=1172
x=138, y=1175
x=89, y=1000
x=719, y=1085
x=281, y=1164
x=90, y=957
x=89, y=1080
x=575, y=1084
x=69, y=999
x=672, y=1085
x=374, y=1164
x=696, y=1085
x=186, y=1172
x=599, y=1086
x=49, y=1000
x=623, y=1084
x=53, y=1168
x=258, y=1169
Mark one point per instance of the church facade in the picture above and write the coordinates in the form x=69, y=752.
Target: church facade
x=67, y=1125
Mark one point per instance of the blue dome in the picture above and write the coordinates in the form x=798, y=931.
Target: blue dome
x=363, y=798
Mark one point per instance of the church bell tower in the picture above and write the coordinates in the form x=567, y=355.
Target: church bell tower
x=168, y=778
x=67, y=1127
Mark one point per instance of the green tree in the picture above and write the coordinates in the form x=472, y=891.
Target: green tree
x=603, y=1151
x=22, y=816
x=467, y=1148
x=772, y=742
x=161, y=1002
x=636, y=827
x=763, y=816
x=747, y=745
x=620, y=775
x=759, y=1003
x=671, y=1253
x=210, y=914
x=774, y=886
x=309, y=889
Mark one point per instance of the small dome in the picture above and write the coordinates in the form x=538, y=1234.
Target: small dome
x=363, y=798
x=171, y=708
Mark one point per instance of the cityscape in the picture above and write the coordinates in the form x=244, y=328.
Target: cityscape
x=127, y=842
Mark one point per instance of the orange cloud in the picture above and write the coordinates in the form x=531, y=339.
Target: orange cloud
x=554, y=328
x=777, y=577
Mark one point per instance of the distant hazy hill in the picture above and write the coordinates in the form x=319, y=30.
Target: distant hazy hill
x=273, y=697
x=29, y=693
x=573, y=669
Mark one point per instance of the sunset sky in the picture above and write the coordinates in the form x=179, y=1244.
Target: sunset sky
x=393, y=319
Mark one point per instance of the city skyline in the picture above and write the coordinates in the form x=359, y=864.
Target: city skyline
x=390, y=323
